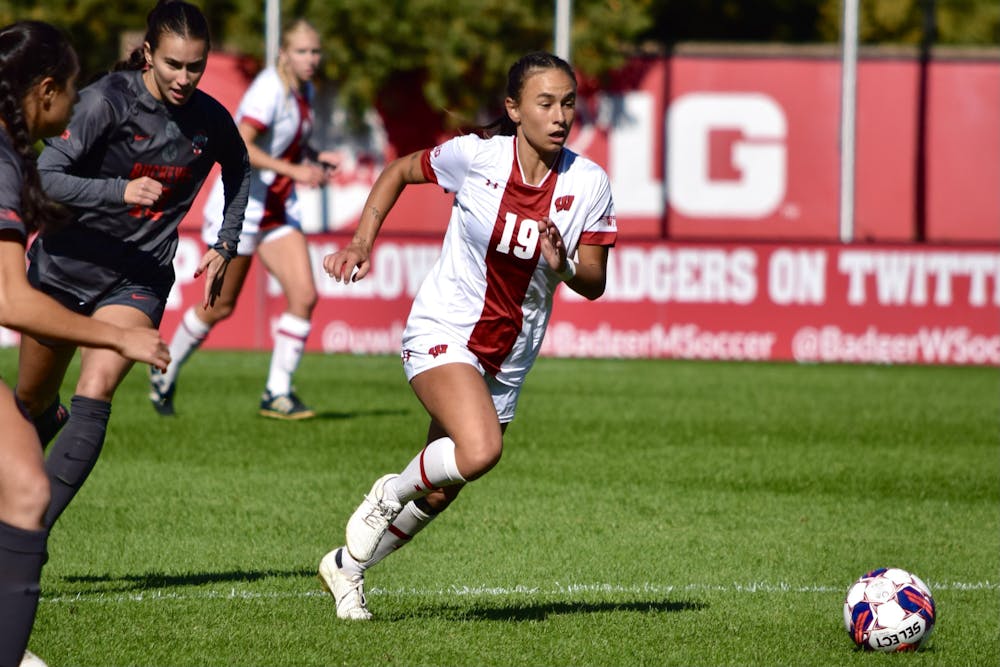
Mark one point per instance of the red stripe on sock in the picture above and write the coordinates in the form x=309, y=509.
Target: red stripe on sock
x=198, y=339
x=289, y=334
x=398, y=533
x=423, y=472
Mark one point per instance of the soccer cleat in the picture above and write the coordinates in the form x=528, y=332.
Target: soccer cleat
x=284, y=406
x=348, y=590
x=31, y=660
x=161, y=395
x=370, y=521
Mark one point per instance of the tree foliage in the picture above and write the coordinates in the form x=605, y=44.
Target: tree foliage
x=451, y=56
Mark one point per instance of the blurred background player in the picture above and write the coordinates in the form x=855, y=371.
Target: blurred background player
x=38, y=69
x=140, y=143
x=524, y=206
x=275, y=118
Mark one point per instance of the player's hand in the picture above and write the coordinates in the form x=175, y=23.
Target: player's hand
x=309, y=174
x=552, y=246
x=350, y=263
x=213, y=265
x=330, y=162
x=143, y=191
x=144, y=345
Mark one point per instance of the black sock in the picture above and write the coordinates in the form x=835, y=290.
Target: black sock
x=22, y=553
x=75, y=452
x=50, y=421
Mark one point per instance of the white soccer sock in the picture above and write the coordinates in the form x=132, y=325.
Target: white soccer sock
x=411, y=520
x=190, y=334
x=432, y=468
x=289, y=344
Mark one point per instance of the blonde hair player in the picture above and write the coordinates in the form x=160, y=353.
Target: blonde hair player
x=524, y=207
x=275, y=119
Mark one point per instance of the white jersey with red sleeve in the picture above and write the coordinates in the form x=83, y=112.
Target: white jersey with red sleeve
x=491, y=290
x=284, y=120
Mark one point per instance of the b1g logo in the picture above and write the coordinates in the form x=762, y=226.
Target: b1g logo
x=726, y=155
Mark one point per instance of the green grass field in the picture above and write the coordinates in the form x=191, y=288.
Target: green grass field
x=644, y=513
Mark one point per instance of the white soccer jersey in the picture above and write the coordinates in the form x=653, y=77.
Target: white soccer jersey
x=284, y=121
x=490, y=289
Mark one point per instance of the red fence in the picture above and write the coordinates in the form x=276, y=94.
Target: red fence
x=802, y=302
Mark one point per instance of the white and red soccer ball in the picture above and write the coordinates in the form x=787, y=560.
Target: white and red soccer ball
x=889, y=609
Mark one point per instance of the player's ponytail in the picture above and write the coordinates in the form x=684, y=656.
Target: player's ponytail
x=174, y=17
x=516, y=76
x=31, y=51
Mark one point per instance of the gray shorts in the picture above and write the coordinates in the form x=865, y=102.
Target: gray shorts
x=141, y=297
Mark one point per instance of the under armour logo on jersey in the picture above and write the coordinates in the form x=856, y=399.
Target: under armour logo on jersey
x=438, y=349
x=492, y=184
x=563, y=203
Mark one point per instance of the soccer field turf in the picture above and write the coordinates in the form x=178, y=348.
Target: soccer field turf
x=644, y=513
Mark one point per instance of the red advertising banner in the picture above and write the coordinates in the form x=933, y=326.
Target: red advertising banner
x=903, y=304
x=739, y=147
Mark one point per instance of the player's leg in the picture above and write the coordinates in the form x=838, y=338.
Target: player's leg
x=24, y=494
x=194, y=327
x=75, y=451
x=285, y=254
x=41, y=368
x=458, y=400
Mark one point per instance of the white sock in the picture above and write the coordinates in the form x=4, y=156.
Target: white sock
x=432, y=468
x=411, y=520
x=289, y=344
x=190, y=334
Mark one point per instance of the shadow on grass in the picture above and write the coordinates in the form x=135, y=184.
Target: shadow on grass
x=476, y=610
x=355, y=414
x=542, y=610
x=152, y=580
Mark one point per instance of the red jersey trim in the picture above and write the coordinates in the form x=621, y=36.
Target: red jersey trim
x=599, y=238
x=425, y=166
x=254, y=123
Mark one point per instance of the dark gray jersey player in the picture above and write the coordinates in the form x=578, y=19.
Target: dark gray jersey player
x=10, y=187
x=120, y=132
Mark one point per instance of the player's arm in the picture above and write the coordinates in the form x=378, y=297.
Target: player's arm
x=587, y=275
x=591, y=272
x=25, y=309
x=58, y=163
x=399, y=173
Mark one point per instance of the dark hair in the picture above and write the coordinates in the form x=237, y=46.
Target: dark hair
x=516, y=76
x=29, y=52
x=168, y=16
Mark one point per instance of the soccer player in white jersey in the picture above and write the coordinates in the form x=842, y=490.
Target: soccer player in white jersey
x=275, y=119
x=524, y=207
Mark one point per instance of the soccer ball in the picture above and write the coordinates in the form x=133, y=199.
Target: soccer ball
x=889, y=609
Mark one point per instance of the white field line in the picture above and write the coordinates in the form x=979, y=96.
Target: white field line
x=556, y=588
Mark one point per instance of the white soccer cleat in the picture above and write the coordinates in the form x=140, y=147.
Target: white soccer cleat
x=348, y=591
x=370, y=521
x=32, y=660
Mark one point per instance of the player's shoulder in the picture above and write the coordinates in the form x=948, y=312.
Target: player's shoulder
x=211, y=108
x=582, y=167
x=114, y=90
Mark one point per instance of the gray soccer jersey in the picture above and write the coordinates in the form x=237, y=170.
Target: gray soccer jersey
x=10, y=186
x=120, y=132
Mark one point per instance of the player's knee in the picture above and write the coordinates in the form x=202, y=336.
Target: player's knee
x=303, y=304
x=481, y=459
x=26, y=496
x=219, y=311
